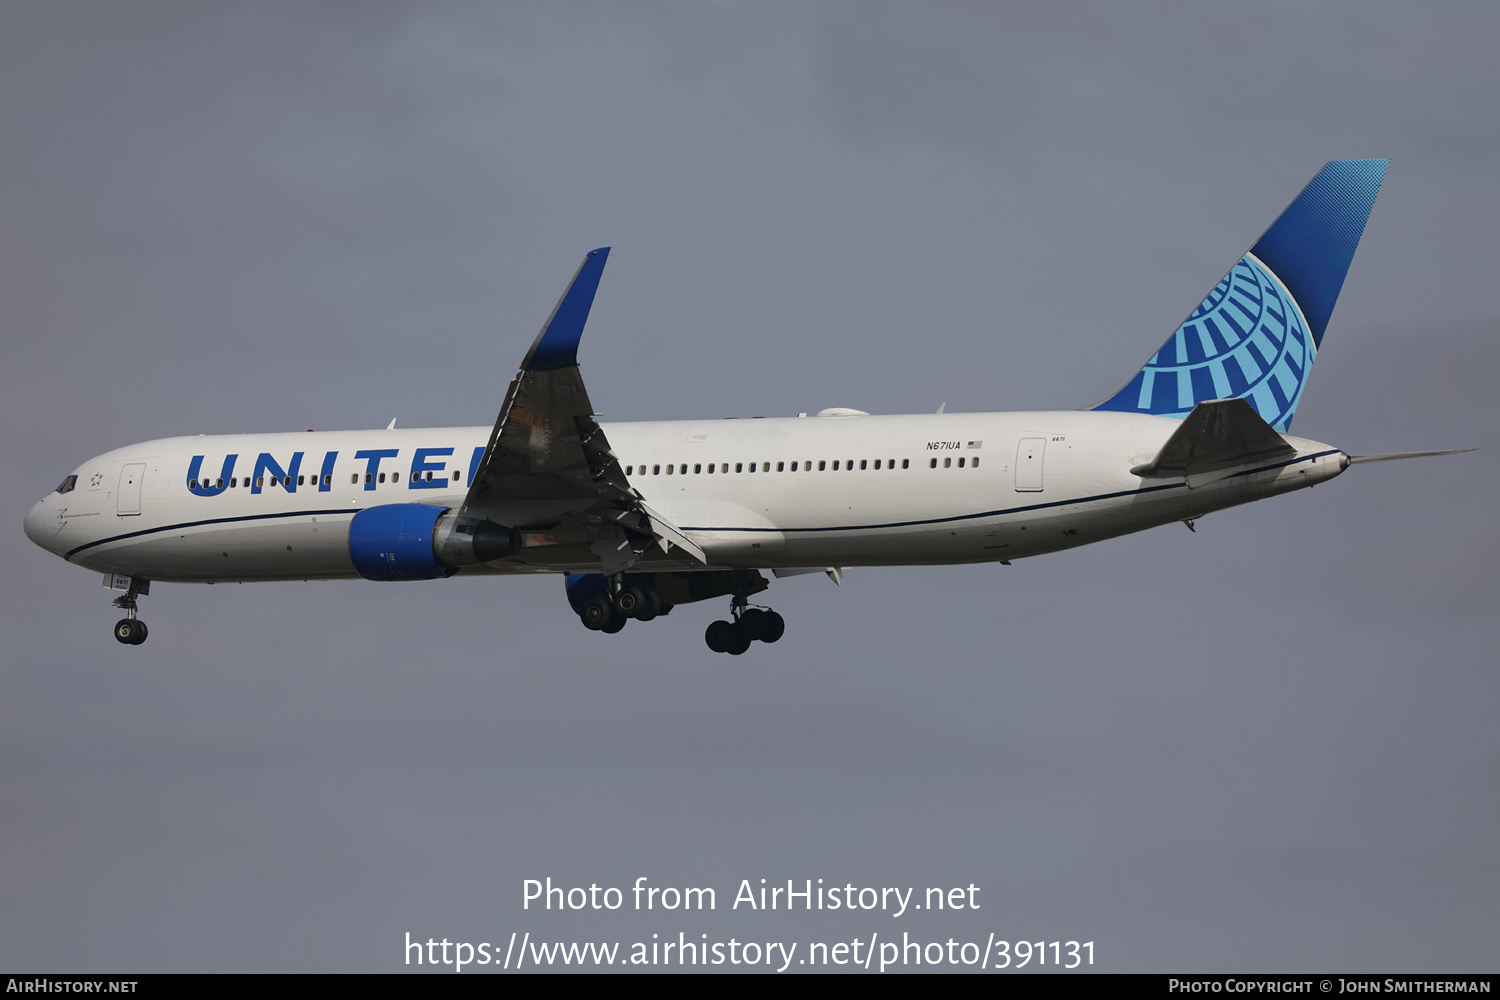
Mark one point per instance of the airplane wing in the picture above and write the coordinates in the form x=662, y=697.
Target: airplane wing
x=1216, y=439
x=548, y=446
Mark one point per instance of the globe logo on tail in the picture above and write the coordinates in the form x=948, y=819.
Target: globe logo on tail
x=1247, y=339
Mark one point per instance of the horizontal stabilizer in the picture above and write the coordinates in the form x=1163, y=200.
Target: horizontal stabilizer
x=1360, y=459
x=1215, y=439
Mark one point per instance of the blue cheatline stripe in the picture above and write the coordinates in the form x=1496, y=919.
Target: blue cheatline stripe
x=857, y=527
x=196, y=524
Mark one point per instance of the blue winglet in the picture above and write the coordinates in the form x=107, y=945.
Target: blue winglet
x=1257, y=333
x=557, y=345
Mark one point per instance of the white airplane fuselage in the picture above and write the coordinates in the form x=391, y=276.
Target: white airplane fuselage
x=825, y=492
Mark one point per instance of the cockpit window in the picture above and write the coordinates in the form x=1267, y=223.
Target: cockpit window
x=66, y=486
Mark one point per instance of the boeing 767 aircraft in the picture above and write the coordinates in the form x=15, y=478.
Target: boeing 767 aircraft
x=645, y=516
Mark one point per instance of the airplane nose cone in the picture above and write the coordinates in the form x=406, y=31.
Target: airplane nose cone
x=39, y=526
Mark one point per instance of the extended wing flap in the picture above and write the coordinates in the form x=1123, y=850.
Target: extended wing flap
x=667, y=534
x=1215, y=439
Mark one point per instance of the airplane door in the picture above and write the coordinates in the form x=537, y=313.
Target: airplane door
x=1030, y=454
x=128, y=500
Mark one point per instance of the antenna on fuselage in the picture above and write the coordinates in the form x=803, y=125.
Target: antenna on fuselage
x=392, y=425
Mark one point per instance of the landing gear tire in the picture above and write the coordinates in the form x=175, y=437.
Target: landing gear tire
x=758, y=623
x=597, y=614
x=631, y=601
x=741, y=641
x=720, y=636
x=650, y=609
x=130, y=631
x=762, y=624
x=727, y=637
x=615, y=624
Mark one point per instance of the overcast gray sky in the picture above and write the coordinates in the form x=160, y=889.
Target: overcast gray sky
x=1269, y=745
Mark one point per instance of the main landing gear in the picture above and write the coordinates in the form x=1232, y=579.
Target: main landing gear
x=609, y=614
x=130, y=630
x=606, y=603
x=748, y=625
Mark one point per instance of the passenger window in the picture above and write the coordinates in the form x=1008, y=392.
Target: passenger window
x=933, y=465
x=455, y=475
x=697, y=468
x=877, y=463
x=233, y=481
x=806, y=466
x=354, y=479
x=369, y=479
x=629, y=470
x=739, y=466
x=669, y=470
x=947, y=463
x=780, y=466
x=906, y=463
x=260, y=481
x=724, y=468
x=656, y=470
x=218, y=484
x=862, y=465
x=382, y=477
x=328, y=479
x=301, y=480
x=710, y=468
x=960, y=463
x=823, y=465
x=395, y=477
x=765, y=467
x=974, y=462
x=835, y=465
x=192, y=484
x=752, y=466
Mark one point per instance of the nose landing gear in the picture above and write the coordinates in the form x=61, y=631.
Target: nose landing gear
x=130, y=630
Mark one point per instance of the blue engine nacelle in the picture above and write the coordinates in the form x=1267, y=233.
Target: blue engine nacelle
x=417, y=541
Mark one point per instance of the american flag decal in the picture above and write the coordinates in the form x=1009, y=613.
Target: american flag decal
x=976, y=444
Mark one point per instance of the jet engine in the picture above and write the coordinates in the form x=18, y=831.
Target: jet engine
x=418, y=541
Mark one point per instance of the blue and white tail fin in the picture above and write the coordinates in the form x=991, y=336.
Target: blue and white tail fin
x=1257, y=333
